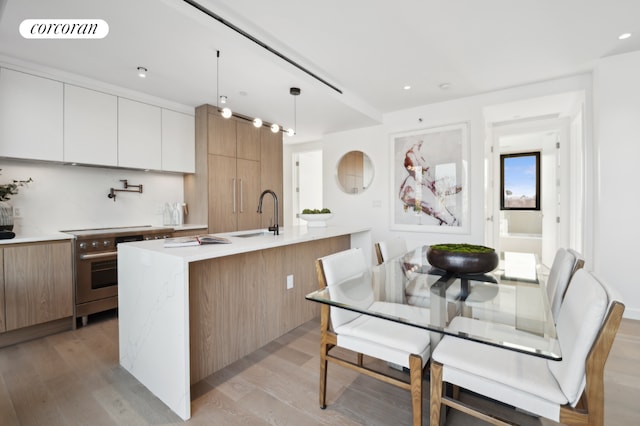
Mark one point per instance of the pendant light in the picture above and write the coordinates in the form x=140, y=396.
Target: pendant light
x=295, y=92
x=226, y=111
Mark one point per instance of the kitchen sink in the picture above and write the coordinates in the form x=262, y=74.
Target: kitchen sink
x=253, y=234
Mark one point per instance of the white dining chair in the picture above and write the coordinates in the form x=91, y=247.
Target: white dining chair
x=347, y=276
x=560, y=273
x=568, y=391
x=389, y=249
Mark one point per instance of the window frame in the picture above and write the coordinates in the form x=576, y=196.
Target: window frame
x=503, y=157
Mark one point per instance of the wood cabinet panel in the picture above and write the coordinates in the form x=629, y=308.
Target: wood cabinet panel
x=209, y=191
x=248, y=193
x=222, y=194
x=38, y=283
x=221, y=135
x=30, y=116
x=239, y=303
x=3, y=324
x=247, y=141
x=90, y=126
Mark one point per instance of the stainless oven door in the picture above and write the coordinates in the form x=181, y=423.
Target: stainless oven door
x=97, y=276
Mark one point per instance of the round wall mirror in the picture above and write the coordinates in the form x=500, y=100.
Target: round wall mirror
x=355, y=172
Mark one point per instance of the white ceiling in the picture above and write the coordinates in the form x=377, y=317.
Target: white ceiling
x=369, y=49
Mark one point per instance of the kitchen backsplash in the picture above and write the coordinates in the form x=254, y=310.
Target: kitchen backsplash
x=75, y=197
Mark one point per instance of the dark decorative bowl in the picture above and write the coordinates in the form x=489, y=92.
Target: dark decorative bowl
x=462, y=258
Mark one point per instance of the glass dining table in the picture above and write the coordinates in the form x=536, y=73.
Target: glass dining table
x=507, y=307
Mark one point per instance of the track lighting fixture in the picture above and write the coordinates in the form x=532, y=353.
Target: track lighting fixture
x=142, y=72
x=257, y=122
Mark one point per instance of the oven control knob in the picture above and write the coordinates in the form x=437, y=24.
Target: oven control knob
x=83, y=246
x=146, y=237
x=106, y=243
x=94, y=244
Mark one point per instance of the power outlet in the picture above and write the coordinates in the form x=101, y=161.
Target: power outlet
x=289, y=282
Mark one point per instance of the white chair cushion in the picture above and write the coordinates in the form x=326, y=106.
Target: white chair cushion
x=349, y=281
x=559, y=279
x=514, y=378
x=385, y=339
x=392, y=248
x=579, y=321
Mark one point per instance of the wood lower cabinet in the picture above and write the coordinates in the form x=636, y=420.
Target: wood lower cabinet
x=38, y=283
x=240, y=303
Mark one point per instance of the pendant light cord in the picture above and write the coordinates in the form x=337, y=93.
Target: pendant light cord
x=217, y=79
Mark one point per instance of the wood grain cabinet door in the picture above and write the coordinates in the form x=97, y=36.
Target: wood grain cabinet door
x=248, y=176
x=38, y=283
x=223, y=204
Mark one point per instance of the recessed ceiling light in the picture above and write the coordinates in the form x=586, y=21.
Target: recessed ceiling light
x=624, y=36
x=142, y=72
x=444, y=86
x=407, y=87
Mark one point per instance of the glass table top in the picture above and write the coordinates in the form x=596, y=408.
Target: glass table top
x=507, y=307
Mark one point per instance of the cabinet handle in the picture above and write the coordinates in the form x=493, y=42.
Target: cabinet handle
x=241, y=198
x=234, y=194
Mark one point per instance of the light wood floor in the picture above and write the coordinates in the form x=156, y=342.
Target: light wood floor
x=74, y=378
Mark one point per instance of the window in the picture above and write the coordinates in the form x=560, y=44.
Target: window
x=520, y=181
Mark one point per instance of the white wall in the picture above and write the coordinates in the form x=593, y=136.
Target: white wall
x=371, y=208
x=617, y=136
x=72, y=197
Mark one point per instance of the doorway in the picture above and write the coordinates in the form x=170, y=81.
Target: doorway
x=307, y=182
x=548, y=125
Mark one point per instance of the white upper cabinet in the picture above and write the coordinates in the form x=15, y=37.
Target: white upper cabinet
x=139, y=135
x=178, y=142
x=90, y=126
x=30, y=116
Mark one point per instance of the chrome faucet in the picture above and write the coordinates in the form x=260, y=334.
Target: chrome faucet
x=275, y=228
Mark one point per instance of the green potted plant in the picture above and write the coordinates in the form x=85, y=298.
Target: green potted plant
x=6, y=209
x=463, y=258
x=316, y=217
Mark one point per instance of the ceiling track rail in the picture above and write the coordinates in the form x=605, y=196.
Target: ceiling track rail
x=259, y=42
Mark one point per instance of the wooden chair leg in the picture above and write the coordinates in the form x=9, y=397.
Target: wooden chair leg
x=323, y=376
x=435, y=404
x=415, y=373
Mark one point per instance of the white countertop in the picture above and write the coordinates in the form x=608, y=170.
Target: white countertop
x=20, y=238
x=288, y=235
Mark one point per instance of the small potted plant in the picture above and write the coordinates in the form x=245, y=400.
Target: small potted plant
x=463, y=258
x=6, y=209
x=316, y=217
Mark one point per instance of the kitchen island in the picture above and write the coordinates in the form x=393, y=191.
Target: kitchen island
x=186, y=312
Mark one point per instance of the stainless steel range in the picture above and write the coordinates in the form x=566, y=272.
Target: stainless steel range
x=96, y=264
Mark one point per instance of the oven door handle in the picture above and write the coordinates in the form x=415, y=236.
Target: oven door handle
x=90, y=256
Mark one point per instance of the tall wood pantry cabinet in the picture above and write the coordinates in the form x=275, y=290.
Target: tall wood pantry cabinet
x=235, y=162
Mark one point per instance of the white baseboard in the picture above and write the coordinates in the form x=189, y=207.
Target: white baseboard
x=633, y=314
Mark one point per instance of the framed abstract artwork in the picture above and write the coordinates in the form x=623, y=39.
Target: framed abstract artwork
x=430, y=180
